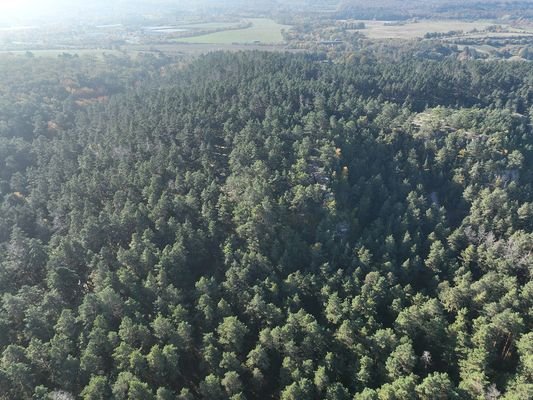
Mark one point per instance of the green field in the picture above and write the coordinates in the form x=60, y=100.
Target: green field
x=56, y=53
x=262, y=30
x=209, y=25
x=411, y=30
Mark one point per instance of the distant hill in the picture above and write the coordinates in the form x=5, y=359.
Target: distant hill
x=403, y=9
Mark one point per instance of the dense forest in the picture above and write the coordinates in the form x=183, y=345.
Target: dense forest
x=266, y=226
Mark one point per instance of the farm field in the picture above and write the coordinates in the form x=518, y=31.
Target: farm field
x=186, y=49
x=210, y=25
x=412, y=30
x=58, y=52
x=496, y=35
x=195, y=26
x=193, y=49
x=263, y=30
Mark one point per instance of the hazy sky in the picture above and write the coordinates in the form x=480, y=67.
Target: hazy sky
x=18, y=10
x=22, y=9
x=32, y=6
x=19, y=6
x=22, y=12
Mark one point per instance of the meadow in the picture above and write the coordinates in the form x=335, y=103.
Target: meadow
x=210, y=25
x=263, y=30
x=412, y=30
x=60, y=52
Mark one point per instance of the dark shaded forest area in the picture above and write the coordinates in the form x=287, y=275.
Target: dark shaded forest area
x=263, y=226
